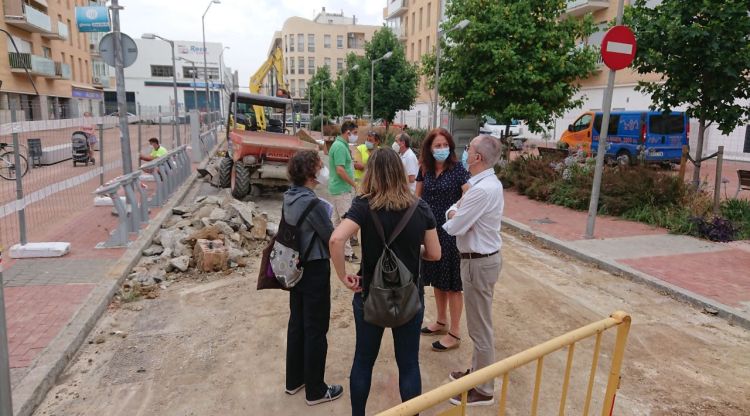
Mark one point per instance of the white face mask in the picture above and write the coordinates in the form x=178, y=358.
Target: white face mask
x=322, y=176
x=396, y=148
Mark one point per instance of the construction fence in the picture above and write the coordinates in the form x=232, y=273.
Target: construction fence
x=46, y=177
x=542, y=380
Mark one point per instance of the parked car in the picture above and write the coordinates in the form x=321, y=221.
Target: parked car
x=117, y=114
x=656, y=136
x=494, y=129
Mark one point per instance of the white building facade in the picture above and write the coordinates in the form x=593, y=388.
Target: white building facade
x=149, y=82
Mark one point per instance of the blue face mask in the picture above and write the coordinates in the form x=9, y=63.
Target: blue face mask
x=465, y=159
x=441, y=154
x=370, y=145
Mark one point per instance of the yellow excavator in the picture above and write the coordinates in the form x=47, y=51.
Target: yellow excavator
x=274, y=62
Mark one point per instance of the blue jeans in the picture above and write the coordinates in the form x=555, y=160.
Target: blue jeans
x=406, y=345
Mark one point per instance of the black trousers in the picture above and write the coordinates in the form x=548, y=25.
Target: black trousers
x=309, y=316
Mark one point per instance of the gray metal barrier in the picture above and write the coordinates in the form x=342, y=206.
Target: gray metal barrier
x=169, y=171
x=203, y=133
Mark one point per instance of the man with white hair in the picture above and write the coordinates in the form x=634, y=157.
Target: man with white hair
x=475, y=221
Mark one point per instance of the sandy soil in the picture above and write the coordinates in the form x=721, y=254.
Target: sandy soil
x=213, y=345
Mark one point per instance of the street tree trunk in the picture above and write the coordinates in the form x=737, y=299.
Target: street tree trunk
x=699, y=154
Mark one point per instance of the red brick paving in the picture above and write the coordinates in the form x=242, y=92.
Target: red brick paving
x=723, y=276
x=36, y=314
x=568, y=224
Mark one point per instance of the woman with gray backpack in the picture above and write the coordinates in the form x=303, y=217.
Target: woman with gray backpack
x=397, y=229
x=309, y=218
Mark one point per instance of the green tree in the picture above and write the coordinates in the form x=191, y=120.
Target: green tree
x=701, y=49
x=356, y=101
x=516, y=60
x=321, y=83
x=395, y=79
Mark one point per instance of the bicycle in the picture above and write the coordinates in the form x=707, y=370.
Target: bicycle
x=8, y=168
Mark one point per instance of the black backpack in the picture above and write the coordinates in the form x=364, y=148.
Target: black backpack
x=393, y=297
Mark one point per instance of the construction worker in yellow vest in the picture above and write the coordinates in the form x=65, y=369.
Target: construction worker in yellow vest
x=362, y=154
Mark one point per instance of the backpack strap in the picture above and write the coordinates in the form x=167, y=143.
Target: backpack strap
x=399, y=227
x=307, y=211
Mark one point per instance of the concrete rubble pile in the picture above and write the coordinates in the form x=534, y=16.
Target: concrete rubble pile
x=212, y=234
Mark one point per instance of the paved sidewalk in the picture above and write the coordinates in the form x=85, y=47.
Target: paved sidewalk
x=42, y=295
x=702, y=272
x=51, y=304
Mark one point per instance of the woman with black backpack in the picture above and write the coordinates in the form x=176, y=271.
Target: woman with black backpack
x=394, y=226
x=310, y=298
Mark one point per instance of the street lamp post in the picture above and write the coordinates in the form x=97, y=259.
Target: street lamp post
x=319, y=83
x=461, y=25
x=372, y=83
x=221, y=81
x=174, y=83
x=343, y=92
x=205, y=63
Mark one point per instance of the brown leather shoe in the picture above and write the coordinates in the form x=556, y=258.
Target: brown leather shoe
x=455, y=375
x=474, y=398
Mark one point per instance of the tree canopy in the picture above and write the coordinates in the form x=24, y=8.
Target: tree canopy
x=702, y=50
x=395, y=79
x=321, y=82
x=515, y=60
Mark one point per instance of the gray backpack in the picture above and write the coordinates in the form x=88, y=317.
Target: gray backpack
x=393, y=297
x=286, y=257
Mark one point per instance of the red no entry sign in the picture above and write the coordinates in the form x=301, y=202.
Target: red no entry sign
x=618, y=47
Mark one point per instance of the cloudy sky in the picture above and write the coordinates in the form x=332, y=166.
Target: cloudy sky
x=246, y=26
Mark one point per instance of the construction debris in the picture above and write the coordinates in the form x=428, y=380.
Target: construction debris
x=213, y=233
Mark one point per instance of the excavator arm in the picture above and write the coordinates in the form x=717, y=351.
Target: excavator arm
x=276, y=62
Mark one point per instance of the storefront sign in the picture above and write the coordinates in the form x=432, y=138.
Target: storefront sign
x=92, y=95
x=92, y=19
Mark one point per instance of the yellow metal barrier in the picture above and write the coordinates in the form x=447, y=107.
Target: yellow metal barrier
x=503, y=368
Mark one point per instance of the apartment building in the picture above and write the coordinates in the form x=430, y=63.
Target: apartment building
x=415, y=23
x=54, y=52
x=310, y=44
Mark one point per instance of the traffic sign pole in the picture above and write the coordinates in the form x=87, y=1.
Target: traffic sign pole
x=603, y=129
x=127, y=164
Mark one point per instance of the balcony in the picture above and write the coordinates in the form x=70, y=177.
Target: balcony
x=582, y=7
x=27, y=18
x=355, y=40
x=62, y=32
x=397, y=8
x=402, y=35
x=62, y=71
x=37, y=65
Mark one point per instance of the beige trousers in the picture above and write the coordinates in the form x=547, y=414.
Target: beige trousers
x=479, y=277
x=341, y=204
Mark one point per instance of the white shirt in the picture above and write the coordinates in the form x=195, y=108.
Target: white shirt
x=411, y=166
x=478, y=214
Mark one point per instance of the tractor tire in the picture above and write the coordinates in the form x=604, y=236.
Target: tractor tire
x=225, y=172
x=241, y=181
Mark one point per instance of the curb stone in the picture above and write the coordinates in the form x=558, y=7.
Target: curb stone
x=734, y=316
x=33, y=388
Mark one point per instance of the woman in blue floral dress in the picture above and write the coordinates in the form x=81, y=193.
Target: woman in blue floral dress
x=441, y=182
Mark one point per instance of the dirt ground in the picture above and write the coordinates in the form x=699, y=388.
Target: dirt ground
x=213, y=345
